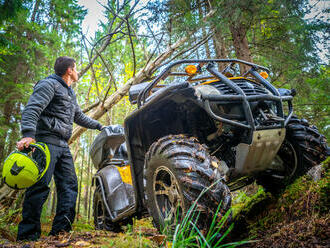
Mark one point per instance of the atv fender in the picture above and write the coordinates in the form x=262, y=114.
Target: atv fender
x=118, y=197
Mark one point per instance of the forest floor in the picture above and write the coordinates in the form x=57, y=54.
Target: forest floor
x=299, y=217
x=140, y=234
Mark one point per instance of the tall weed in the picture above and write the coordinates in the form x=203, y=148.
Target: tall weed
x=187, y=234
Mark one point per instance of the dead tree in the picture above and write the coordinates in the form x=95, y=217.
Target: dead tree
x=142, y=75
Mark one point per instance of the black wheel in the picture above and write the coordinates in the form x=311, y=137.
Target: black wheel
x=101, y=217
x=177, y=169
x=303, y=148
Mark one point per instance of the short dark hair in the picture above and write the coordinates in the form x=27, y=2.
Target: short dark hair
x=62, y=64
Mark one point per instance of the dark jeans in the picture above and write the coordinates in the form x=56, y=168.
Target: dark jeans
x=62, y=167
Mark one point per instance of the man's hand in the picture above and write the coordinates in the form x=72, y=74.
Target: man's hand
x=24, y=143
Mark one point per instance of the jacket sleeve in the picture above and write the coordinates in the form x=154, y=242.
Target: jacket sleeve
x=43, y=93
x=83, y=120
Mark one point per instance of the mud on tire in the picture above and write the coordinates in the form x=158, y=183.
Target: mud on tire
x=303, y=148
x=176, y=171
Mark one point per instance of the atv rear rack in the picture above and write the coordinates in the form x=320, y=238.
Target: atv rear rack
x=240, y=94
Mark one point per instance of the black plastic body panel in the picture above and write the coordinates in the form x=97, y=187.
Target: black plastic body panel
x=171, y=110
x=119, y=197
x=108, y=144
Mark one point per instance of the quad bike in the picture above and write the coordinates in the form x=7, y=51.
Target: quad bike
x=198, y=127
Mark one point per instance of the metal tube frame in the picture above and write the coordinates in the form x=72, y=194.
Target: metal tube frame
x=240, y=97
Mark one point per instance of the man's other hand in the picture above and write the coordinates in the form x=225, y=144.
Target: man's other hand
x=24, y=143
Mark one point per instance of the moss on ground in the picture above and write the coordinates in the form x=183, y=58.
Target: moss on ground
x=297, y=218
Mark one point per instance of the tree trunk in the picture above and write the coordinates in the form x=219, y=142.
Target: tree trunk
x=220, y=47
x=12, y=140
x=35, y=9
x=201, y=15
x=88, y=183
x=7, y=115
x=2, y=148
x=90, y=175
x=241, y=44
x=76, y=151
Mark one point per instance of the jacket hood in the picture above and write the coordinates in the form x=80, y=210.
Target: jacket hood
x=59, y=79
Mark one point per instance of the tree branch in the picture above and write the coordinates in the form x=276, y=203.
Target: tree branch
x=140, y=76
x=132, y=47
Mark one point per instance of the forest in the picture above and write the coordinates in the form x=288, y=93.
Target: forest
x=136, y=42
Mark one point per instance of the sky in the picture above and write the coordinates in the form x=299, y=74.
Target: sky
x=93, y=17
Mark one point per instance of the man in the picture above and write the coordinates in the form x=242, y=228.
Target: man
x=48, y=117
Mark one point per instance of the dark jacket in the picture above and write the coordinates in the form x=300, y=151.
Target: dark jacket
x=51, y=111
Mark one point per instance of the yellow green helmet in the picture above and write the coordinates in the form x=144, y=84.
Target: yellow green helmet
x=21, y=170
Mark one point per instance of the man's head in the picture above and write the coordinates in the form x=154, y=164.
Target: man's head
x=65, y=67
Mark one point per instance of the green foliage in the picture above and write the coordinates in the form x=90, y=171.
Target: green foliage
x=9, y=9
x=8, y=223
x=32, y=35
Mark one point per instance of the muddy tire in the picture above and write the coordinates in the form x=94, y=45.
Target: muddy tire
x=177, y=169
x=101, y=217
x=303, y=148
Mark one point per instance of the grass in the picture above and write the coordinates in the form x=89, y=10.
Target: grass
x=187, y=233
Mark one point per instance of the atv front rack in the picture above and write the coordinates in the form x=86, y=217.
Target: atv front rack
x=239, y=96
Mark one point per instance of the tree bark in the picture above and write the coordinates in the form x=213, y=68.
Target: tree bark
x=7, y=115
x=86, y=195
x=240, y=43
x=201, y=15
x=2, y=148
x=90, y=174
x=35, y=9
x=87, y=186
x=76, y=151
x=220, y=47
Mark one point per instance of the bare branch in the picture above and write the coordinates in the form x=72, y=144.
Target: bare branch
x=193, y=47
x=93, y=72
x=109, y=71
x=139, y=42
x=107, y=38
x=106, y=94
x=140, y=76
x=152, y=54
x=153, y=35
x=132, y=47
x=85, y=110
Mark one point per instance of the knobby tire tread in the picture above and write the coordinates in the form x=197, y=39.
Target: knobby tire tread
x=199, y=174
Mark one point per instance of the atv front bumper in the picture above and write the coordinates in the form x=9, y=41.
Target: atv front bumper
x=242, y=98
